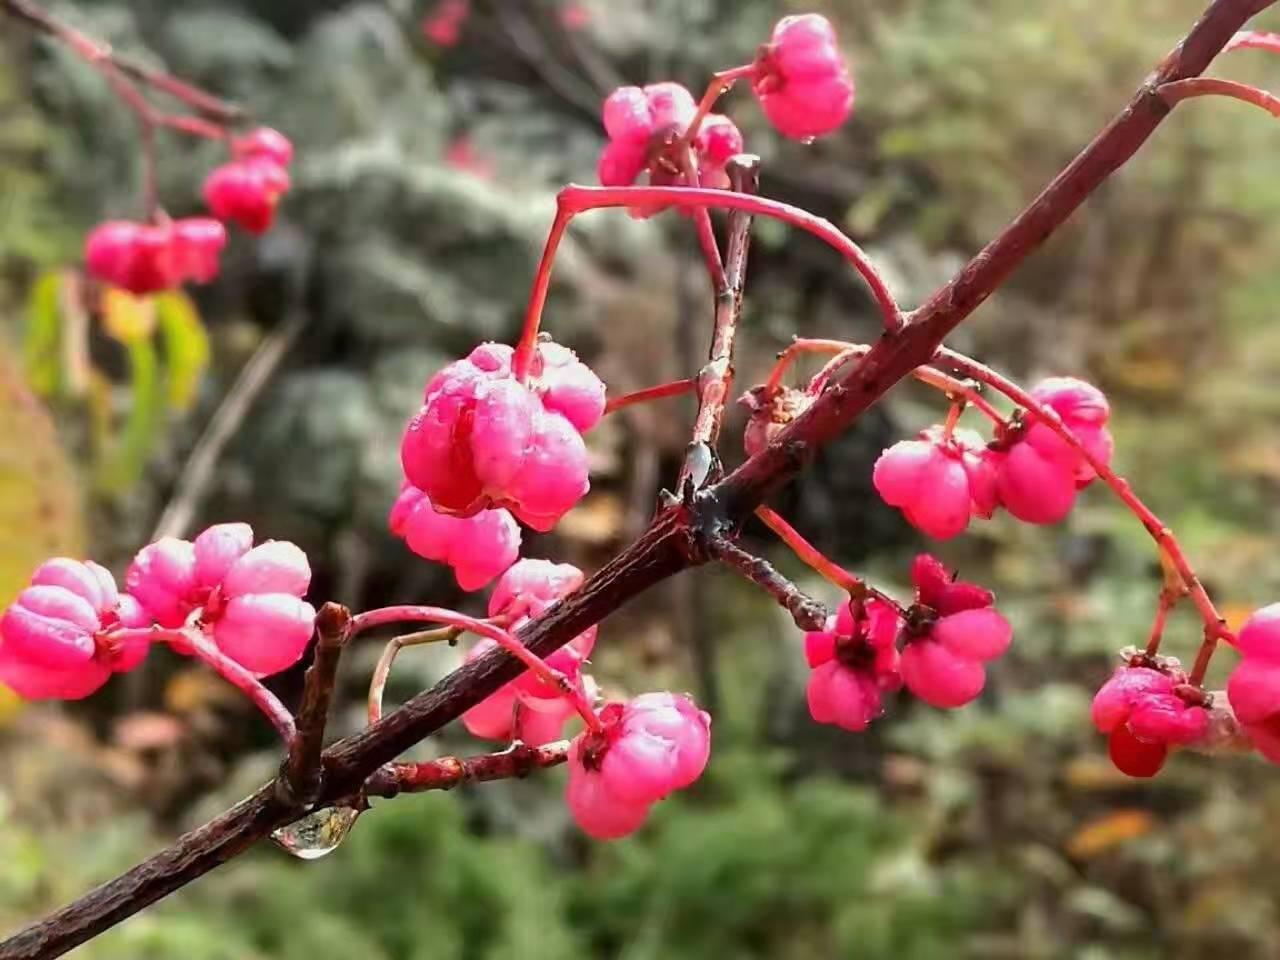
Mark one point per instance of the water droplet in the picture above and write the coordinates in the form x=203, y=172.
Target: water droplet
x=317, y=834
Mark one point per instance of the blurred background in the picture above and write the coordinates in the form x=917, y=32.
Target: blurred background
x=431, y=140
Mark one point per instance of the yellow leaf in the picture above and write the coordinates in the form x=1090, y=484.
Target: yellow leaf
x=1110, y=830
x=10, y=706
x=1236, y=614
x=125, y=317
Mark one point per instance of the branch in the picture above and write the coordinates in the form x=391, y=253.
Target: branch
x=668, y=546
x=715, y=380
x=808, y=613
x=99, y=53
x=302, y=770
x=516, y=762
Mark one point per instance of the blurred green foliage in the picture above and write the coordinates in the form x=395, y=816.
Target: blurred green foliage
x=996, y=831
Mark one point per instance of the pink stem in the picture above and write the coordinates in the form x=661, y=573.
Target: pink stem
x=192, y=641
x=1254, y=40
x=702, y=224
x=508, y=641
x=1179, y=90
x=576, y=199
x=528, y=342
x=675, y=388
x=721, y=83
x=1214, y=624
x=827, y=568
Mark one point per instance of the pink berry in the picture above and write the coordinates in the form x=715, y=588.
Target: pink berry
x=801, y=79
x=529, y=587
x=1253, y=689
x=443, y=25
x=718, y=139
x=1038, y=472
x=953, y=631
x=650, y=747
x=478, y=548
x=132, y=256
x=483, y=440
x=854, y=662
x=938, y=482
x=246, y=192
x=1143, y=714
x=248, y=598
x=645, y=126
x=162, y=577
x=264, y=143
x=55, y=638
x=197, y=247
x=265, y=632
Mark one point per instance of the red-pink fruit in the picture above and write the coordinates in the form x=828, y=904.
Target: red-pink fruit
x=264, y=143
x=1253, y=689
x=482, y=439
x=1039, y=473
x=801, y=79
x=197, y=247
x=527, y=709
x=938, y=481
x=650, y=747
x=443, y=25
x=135, y=257
x=953, y=631
x=854, y=661
x=55, y=637
x=1143, y=715
x=478, y=548
x=248, y=598
x=246, y=192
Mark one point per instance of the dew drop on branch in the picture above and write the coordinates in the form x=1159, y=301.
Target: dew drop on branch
x=317, y=834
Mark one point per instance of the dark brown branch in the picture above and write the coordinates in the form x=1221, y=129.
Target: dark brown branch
x=96, y=52
x=715, y=380
x=808, y=613
x=518, y=761
x=668, y=546
x=302, y=770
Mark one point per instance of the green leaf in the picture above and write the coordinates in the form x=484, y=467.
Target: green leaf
x=186, y=347
x=146, y=412
x=42, y=339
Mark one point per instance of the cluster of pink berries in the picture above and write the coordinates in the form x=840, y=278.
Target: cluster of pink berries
x=68, y=631
x=486, y=438
x=948, y=634
x=145, y=258
x=799, y=77
x=246, y=190
x=643, y=751
x=947, y=476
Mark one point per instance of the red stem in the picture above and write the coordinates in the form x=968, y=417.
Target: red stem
x=528, y=342
x=675, y=388
x=1167, y=601
x=577, y=199
x=1174, y=93
x=827, y=568
x=702, y=225
x=485, y=628
x=192, y=641
x=721, y=83
x=1254, y=40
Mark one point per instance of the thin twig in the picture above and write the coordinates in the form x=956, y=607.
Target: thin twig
x=675, y=388
x=664, y=549
x=197, y=474
x=448, y=772
x=378, y=682
x=715, y=380
x=302, y=771
x=808, y=613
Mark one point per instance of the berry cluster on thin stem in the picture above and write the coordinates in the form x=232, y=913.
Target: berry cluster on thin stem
x=669, y=545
